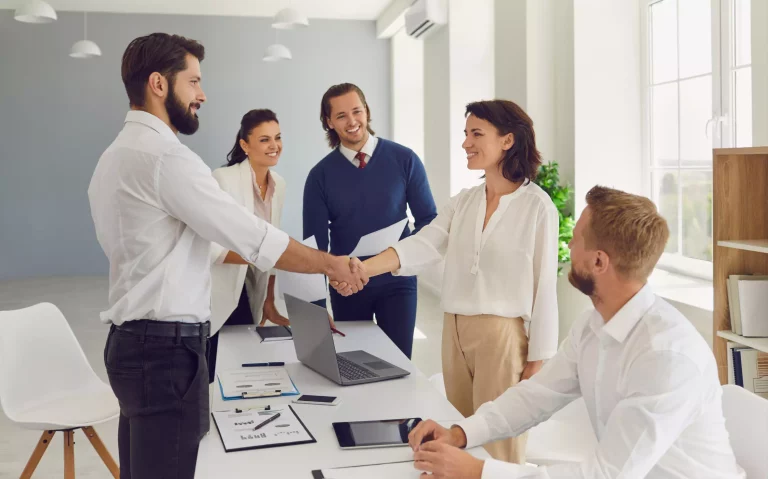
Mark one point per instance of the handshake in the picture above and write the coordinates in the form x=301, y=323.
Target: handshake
x=347, y=275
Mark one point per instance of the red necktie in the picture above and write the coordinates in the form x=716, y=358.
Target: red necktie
x=360, y=156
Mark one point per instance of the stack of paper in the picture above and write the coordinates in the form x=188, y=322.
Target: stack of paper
x=748, y=304
x=401, y=470
x=246, y=383
x=378, y=241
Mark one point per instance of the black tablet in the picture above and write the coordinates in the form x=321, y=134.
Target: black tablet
x=367, y=434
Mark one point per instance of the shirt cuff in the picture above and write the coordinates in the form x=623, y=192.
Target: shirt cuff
x=274, y=245
x=493, y=469
x=402, y=257
x=476, y=430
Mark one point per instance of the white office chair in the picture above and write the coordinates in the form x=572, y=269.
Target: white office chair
x=47, y=384
x=746, y=418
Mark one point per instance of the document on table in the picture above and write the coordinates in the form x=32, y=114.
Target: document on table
x=401, y=470
x=307, y=287
x=238, y=433
x=243, y=383
x=378, y=241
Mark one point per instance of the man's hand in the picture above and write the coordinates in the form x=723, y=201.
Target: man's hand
x=350, y=278
x=270, y=312
x=331, y=321
x=531, y=368
x=429, y=430
x=447, y=462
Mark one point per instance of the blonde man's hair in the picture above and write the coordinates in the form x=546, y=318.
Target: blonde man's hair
x=628, y=228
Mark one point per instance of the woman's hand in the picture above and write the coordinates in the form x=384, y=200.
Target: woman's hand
x=270, y=312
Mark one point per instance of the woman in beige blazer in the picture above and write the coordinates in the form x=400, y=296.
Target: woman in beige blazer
x=240, y=293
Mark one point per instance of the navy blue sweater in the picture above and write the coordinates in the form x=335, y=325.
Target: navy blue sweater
x=353, y=202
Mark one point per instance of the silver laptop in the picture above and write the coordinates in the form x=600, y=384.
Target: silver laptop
x=312, y=338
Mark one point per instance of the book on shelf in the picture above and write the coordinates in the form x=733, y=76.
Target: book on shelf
x=750, y=369
x=748, y=304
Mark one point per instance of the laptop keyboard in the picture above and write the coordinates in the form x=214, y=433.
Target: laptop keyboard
x=352, y=371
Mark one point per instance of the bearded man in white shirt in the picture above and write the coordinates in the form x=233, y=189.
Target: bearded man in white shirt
x=647, y=376
x=156, y=209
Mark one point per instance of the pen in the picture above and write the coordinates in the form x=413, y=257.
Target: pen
x=263, y=365
x=338, y=332
x=272, y=418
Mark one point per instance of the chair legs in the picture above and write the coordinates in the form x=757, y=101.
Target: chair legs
x=37, y=454
x=105, y=456
x=69, y=453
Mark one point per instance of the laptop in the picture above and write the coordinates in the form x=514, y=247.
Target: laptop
x=313, y=340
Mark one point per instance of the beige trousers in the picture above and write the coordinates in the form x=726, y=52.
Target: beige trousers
x=483, y=356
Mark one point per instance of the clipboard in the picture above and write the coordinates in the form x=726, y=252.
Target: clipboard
x=235, y=429
x=253, y=395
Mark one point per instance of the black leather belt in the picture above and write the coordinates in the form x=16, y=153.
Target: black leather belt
x=148, y=327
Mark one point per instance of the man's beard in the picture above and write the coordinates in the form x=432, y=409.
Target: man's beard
x=582, y=282
x=181, y=117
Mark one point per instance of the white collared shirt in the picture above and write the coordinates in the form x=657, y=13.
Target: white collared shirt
x=368, y=149
x=651, y=388
x=508, y=269
x=156, y=208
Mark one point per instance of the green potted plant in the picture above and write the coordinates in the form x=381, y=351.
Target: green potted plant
x=549, y=180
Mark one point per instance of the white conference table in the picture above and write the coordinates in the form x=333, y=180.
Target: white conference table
x=412, y=396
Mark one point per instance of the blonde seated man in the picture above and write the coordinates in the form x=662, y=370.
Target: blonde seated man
x=647, y=376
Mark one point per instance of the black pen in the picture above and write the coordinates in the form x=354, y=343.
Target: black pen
x=266, y=422
x=263, y=365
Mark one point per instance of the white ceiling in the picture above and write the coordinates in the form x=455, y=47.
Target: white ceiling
x=338, y=9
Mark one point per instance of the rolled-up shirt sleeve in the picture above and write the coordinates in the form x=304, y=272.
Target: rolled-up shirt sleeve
x=187, y=191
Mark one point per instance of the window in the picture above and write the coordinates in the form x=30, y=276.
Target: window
x=698, y=97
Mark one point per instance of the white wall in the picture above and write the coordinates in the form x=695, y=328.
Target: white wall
x=408, y=91
x=510, y=53
x=607, y=96
x=471, y=76
x=437, y=147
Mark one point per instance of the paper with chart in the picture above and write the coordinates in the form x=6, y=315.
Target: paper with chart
x=378, y=241
x=307, y=287
x=400, y=470
x=256, y=382
x=238, y=433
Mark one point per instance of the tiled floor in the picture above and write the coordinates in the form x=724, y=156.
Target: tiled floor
x=81, y=299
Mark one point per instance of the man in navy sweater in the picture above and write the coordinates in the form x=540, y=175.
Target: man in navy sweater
x=362, y=186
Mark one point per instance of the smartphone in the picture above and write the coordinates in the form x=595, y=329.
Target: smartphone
x=318, y=400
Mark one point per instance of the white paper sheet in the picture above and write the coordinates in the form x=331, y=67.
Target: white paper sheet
x=237, y=429
x=378, y=241
x=256, y=381
x=307, y=287
x=400, y=470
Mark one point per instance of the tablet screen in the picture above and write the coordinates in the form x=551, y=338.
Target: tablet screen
x=374, y=433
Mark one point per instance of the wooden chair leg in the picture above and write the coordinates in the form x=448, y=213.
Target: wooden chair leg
x=69, y=454
x=104, y=454
x=37, y=454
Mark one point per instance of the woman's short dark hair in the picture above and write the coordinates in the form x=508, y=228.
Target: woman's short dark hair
x=250, y=120
x=325, y=110
x=157, y=52
x=521, y=162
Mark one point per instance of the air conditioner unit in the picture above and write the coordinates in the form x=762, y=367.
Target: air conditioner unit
x=425, y=16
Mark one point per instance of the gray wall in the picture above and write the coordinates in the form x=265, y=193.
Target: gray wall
x=58, y=114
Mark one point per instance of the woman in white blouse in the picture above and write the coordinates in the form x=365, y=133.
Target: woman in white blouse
x=499, y=241
x=241, y=294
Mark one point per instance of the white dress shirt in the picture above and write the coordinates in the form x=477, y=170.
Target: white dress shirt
x=368, y=149
x=650, y=384
x=156, y=209
x=509, y=269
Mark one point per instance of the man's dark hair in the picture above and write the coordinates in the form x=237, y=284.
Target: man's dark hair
x=157, y=52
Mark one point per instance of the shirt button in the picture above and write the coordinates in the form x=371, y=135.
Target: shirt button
x=254, y=257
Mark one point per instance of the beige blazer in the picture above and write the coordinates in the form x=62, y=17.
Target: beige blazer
x=227, y=279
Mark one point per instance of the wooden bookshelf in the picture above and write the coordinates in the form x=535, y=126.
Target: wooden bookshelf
x=740, y=231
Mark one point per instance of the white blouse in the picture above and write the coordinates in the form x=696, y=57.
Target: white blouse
x=509, y=269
